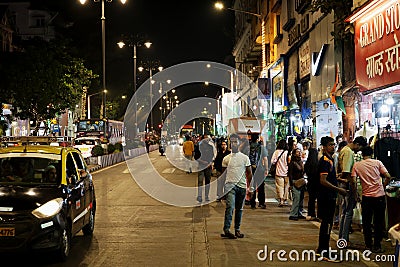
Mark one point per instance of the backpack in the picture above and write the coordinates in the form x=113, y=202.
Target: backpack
x=255, y=153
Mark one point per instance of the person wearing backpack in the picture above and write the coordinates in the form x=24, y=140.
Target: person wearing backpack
x=259, y=163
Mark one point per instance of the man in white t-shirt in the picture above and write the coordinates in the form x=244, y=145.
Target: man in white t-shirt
x=237, y=168
x=373, y=203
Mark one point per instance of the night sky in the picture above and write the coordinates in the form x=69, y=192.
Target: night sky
x=180, y=31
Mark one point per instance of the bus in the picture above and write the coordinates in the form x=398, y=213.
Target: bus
x=109, y=131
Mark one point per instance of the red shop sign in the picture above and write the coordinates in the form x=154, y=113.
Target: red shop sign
x=377, y=44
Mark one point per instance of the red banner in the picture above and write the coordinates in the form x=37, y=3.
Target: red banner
x=377, y=45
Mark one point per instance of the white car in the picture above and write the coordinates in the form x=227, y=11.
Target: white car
x=86, y=144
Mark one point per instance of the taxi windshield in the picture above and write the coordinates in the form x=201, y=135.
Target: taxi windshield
x=29, y=170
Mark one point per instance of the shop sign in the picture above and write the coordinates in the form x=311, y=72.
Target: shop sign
x=377, y=43
x=304, y=59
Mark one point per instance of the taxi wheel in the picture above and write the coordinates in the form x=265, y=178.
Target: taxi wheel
x=89, y=228
x=65, y=245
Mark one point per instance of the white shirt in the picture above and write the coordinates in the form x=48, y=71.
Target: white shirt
x=235, y=164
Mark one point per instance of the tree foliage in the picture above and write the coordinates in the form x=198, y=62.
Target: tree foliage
x=43, y=79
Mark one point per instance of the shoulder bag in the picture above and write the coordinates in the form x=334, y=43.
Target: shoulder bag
x=272, y=169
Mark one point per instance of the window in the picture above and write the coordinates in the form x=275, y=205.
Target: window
x=278, y=35
x=290, y=16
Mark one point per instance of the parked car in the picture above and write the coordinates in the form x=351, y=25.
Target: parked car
x=86, y=144
x=46, y=197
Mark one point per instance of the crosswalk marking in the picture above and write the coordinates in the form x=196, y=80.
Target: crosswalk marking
x=169, y=170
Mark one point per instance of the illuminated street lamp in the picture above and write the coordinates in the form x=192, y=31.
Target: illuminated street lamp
x=88, y=101
x=133, y=42
x=150, y=66
x=220, y=6
x=103, y=45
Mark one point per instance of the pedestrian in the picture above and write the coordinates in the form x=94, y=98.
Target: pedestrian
x=280, y=158
x=295, y=173
x=327, y=193
x=373, y=204
x=207, y=153
x=188, y=150
x=237, y=169
x=345, y=165
x=340, y=199
x=311, y=170
x=259, y=163
x=222, y=151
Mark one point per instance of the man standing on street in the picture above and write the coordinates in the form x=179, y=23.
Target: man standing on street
x=222, y=151
x=207, y=153
x=327, y=194
x=188, y=149
x=237, y=168
x=373, y=202
x=345, y=165
x=259, y=163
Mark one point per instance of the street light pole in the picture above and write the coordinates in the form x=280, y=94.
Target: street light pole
x=103, y=50
x=88, y=102
x=103, y=53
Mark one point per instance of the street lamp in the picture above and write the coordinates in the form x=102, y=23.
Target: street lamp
x=150, y=66
x=88, y=101
x=133, y=43
x=103, y=45
x=220, y=6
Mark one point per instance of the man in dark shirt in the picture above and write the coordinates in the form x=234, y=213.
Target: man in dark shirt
x=327, y=194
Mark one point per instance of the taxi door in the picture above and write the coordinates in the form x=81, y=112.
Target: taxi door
x=77, y=193
x=87, y=184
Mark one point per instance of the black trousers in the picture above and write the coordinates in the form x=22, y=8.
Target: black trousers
x=312, y=196
x=260, y=196
x=373, y=207
x=326, y=211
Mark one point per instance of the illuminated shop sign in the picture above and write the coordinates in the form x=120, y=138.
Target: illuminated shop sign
x=377, y=42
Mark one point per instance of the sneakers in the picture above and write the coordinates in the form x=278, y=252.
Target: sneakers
x=238, y=234
x=228, y=235
x=293, y=218
x=301, y=217
x=199, y=199
x=263, y=206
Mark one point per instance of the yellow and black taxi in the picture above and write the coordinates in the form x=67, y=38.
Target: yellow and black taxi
x=46, y=197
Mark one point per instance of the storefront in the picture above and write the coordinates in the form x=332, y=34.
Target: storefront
x=377, y=57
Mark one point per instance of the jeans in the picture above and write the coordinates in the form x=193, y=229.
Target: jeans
x=220, y=184
x=326, y=211
x=234, y=201
x=297, y=199
x=346, y=218
x=189, y=158
x=203, y=175
x=373, y=207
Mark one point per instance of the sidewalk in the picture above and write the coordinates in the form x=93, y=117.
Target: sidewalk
x=272, y=230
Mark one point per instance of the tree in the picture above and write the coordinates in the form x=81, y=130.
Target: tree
x=43, y=80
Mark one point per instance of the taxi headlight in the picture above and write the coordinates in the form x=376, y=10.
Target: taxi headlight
x=49, y=209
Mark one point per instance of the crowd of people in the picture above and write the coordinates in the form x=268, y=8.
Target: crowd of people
x=337, y=174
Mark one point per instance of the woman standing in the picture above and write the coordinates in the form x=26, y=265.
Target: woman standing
x=281, y=177
x=296, y=172
x=311, y=169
